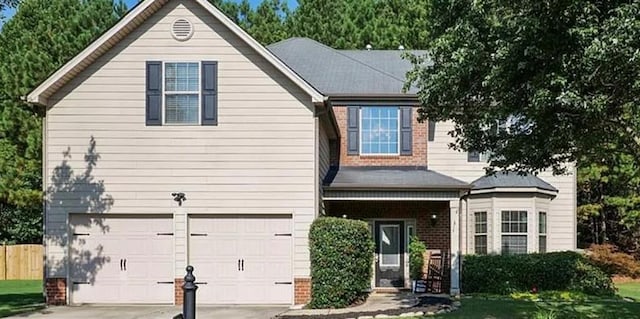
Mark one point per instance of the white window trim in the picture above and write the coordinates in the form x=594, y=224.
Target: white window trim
x=485, y=234
x=361, y=147
x=396, y=264
x=165, y=92
x=523, y=234
x=546, y=230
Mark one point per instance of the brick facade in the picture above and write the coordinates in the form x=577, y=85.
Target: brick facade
x=302, y=294
x=419, y=147
x=437, y=236
x=178, y=292
x=56, y=291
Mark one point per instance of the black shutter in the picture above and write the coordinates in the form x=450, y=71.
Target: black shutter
x=405, y=130
x=352, y=130
x=473, y=156
x=432, y=130
x=153, y=107
x=209, y=93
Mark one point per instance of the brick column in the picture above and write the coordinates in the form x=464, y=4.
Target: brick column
x=302, y=291
x=178, y=292
x=56, y=291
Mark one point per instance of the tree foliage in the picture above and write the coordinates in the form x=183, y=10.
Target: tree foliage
x=563, y=75
x=352, y=24
x=42, y=36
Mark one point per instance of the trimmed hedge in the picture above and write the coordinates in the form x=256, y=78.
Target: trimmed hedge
x=505, y=274
x=341, y=258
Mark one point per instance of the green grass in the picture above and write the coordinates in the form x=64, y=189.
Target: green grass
x=630, y=290
x=478, y=308
x=18, y=296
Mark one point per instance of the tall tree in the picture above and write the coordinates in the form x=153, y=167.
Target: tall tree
x=561, y=78
x=40, y=38
x=352, y=24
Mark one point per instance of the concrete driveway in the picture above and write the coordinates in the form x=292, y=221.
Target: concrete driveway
x=153, y=312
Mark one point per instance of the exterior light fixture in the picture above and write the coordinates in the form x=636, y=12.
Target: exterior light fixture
x=433, y=219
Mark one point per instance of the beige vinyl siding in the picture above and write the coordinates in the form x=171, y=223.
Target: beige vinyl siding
x=259, y=159
x=562, y=211
x=324, y=161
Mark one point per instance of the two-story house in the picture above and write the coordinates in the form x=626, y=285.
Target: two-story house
x=176, y=98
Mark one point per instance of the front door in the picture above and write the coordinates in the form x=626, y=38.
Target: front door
x=389, y=237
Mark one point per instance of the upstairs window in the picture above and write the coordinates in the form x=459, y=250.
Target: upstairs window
x=514, y=232
x=182, y=93
x=379, y=130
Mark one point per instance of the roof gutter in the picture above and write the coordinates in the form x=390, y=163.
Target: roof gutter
x=358, y=98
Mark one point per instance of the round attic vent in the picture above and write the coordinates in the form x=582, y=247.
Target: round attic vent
x=182, y=29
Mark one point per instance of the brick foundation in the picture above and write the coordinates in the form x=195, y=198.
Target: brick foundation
x=56, y=291
x=436, y=236
x=302, y=293
x=178, y=292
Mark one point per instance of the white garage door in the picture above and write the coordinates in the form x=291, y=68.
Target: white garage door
x=121, y=259
x=242, y=260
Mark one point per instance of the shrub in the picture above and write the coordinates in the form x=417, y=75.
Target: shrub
x=505, y=274
x=341, y=258
x=417, y=249
x=613, y=261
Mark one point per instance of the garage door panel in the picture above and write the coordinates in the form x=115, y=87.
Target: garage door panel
x=267, y=259
x=100, y=249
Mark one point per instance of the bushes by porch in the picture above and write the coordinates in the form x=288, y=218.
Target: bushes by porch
x=505, y=274
x=341, y=258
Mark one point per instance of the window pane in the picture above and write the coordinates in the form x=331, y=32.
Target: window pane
x=542, y=244
x=379, y=130
x=514, y=244
x=481, y=244
x=181, y=77
x=181, y=108
x=542, y=223
x=481, y=222
x=514, y=221
x=390, y=245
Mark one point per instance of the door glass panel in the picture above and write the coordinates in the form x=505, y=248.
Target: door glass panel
x=390, y=245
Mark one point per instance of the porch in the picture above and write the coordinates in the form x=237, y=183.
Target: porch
x=397, y=203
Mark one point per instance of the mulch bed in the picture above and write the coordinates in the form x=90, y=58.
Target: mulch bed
x=425, y=304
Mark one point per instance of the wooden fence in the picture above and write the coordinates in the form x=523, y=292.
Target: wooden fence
x=21, y=262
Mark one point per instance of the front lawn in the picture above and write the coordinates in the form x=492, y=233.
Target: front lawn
x=18, y=296
x=480, y=308
x=630, y=290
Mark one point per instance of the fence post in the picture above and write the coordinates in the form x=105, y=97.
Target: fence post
x=189, y=295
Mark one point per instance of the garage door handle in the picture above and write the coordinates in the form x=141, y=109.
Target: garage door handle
x=81, y=282
x=201, y=283
x=283, y=283
x=165, y=234
x=283, y=235
x=243, y=265
x=238, y=264
x=121, y=260
x=125, y=265
x=165, y=282
x=197, y=235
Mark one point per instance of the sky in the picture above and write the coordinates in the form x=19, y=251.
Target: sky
x=130, y=3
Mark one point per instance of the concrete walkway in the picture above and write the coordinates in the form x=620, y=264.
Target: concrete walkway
x=375, y=302
x=153, y=312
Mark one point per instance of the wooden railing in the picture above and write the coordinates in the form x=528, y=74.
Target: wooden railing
x=21, y=262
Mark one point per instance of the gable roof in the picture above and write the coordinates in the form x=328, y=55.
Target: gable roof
x=346, y=72
x=508, y=179
x=136, y=16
